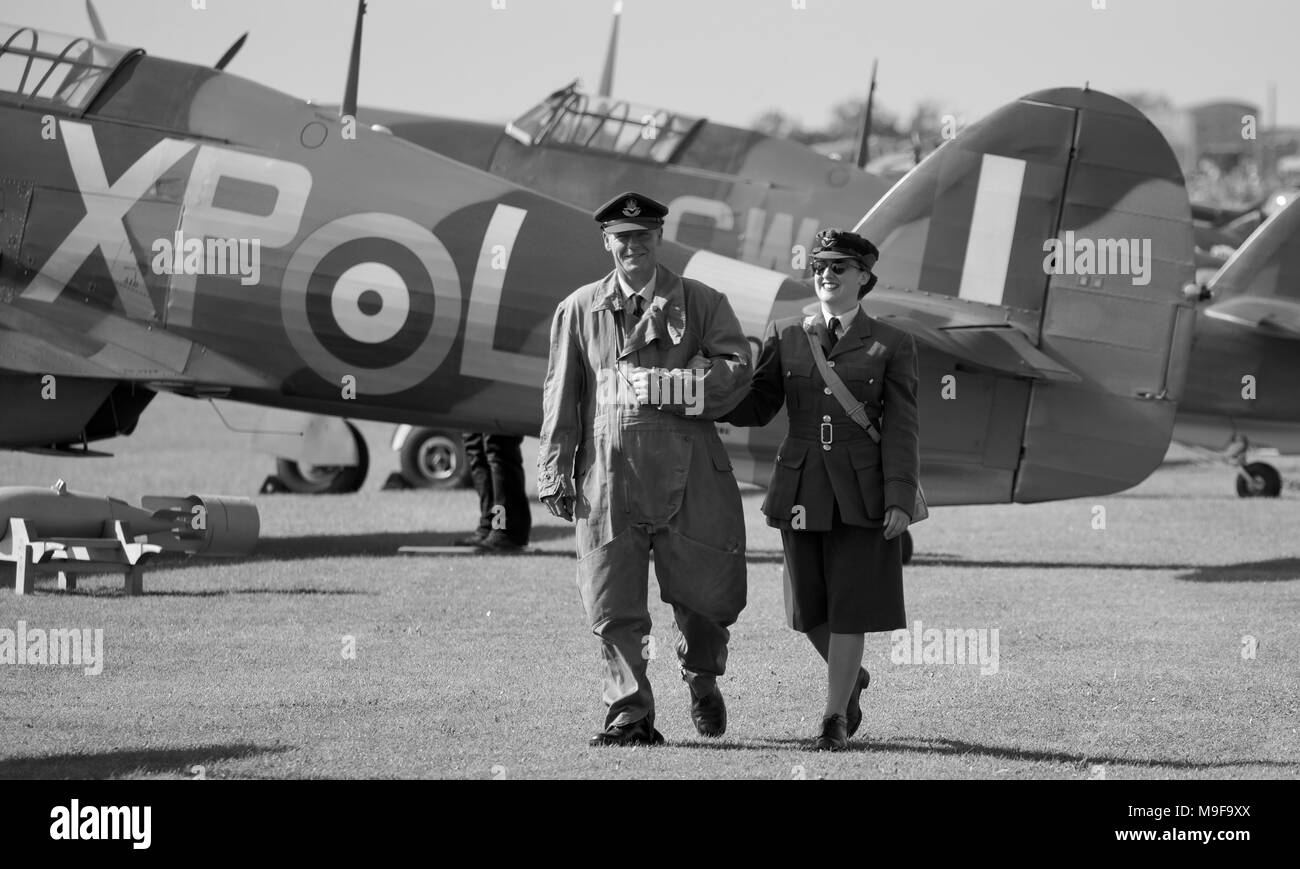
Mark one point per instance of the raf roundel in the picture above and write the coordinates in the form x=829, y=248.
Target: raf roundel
x=370, y=302
x=374, y=296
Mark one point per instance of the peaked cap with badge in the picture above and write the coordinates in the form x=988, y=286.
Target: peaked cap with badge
x=630, y=211
x=842, y=244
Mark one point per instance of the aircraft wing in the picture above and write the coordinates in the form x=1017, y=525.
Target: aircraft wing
x=1273, y=315
x=1259, y=286
x=972, y=337
x=76, y=339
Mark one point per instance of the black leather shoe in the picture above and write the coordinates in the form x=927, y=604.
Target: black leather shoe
x=855, y=708
x=637, y=733
x=470, y=540
x=497, y=542
x=834, y=734
x=709, y=713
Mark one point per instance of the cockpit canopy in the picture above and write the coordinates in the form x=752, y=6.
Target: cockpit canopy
x=568, y=117
x=39, y=67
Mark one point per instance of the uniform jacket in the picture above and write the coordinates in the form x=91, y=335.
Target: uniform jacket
x=643, y=464
x=827, y=459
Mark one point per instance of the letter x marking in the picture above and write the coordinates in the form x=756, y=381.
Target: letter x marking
x=102, y=228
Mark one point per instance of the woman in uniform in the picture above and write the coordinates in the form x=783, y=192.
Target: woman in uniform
x=841, y=493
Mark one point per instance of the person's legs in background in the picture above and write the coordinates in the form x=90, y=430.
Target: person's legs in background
x=480, y=475
x=510, y=520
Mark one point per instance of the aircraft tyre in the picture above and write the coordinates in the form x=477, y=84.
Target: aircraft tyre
x=435, y=459
x=326, y=479
x=1267, y=478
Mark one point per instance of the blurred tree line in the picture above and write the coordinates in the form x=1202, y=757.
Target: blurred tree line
x=846, y=122
x=910, y=138
x=898, y=141
x=924, y=123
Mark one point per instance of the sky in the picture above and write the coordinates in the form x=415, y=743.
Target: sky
x=726, y=60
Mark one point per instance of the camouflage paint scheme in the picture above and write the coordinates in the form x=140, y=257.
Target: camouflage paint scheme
x=1064, y=391
x=744, y=191
x=168, y=146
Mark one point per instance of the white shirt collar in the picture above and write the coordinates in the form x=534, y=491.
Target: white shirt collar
x=845, y=319
x=647, y=292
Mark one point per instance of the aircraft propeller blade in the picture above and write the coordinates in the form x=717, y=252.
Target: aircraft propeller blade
x=95, y=24
x=607, y=74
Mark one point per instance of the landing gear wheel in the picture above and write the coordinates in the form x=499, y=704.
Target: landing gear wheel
x=907, y=547
x=1268, y=482
x=433, y=459
x=326, y=479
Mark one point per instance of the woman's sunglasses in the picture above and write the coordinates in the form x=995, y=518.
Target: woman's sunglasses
x=838, y=268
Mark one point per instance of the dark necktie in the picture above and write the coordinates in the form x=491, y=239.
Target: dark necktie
x=835, y=330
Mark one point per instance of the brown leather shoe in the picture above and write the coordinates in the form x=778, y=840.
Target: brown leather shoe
x=709, y=713
x=835, y=735
x=640, y=732
x=855, y=708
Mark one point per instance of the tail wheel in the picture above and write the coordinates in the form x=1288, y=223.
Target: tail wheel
x=304, y=479
x=1266, y=482
x=433, y=459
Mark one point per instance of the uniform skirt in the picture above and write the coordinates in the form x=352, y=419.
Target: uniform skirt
x=850, y=577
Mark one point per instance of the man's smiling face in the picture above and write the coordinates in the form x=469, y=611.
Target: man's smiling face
x=636, y=253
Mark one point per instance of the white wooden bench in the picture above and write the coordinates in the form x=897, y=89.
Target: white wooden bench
x=32, y=554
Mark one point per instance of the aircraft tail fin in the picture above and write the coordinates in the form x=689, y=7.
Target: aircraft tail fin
x=1062, y=216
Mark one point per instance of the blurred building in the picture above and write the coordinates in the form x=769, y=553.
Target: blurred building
x=1281, y=149
x=1227, y=133
x=1228, y=157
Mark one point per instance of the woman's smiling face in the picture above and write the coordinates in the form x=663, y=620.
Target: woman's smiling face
x=838, y=290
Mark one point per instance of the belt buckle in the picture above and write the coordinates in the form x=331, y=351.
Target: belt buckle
x=828, y=433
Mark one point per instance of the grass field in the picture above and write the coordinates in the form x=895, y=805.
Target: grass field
x=1120, y=651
